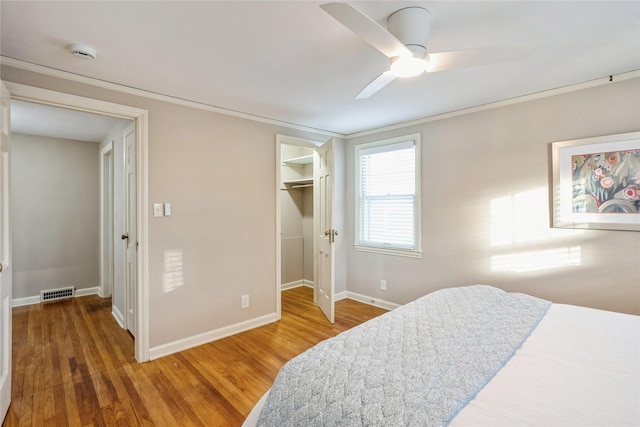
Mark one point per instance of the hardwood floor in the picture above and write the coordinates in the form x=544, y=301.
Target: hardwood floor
x=73, y=365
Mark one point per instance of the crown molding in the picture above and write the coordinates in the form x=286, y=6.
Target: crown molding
x=519, y=99
x=104, y=84
x=53, y=72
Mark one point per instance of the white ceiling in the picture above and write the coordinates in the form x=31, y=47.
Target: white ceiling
x=292, y=62
x=46, y=120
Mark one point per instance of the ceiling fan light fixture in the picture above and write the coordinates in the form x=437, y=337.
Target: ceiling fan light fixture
x=429, y=64
x=407, y=66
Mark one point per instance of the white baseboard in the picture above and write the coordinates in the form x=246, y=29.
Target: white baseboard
x=376, y=302
x=207, y=337
x=117, y=315
x=296, y=284
x=370, y=300
x=210, y=336
x=340, y=296
x=88, y=291
x=17, y=302
x=291, y=285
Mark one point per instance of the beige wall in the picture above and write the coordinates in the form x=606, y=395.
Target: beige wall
x=218, y=173
x=55, y=214
x=500, y=155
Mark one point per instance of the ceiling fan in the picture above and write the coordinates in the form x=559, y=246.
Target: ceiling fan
x=404, y=41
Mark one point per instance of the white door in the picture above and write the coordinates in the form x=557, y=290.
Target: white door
x=129, y=236
x=5, y=257
x=325, y=233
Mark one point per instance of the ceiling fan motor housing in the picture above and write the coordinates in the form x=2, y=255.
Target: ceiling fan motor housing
x=411, y=26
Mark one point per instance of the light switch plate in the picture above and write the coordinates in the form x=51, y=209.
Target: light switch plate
x=157, y=209
x=167, y=209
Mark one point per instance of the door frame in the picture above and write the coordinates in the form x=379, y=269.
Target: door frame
x=301, y=142
x=6, y=320
x=141, y=117
x=106, y=221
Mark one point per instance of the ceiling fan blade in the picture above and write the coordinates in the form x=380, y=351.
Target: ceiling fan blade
x=442, y=61
x=378, y=83
x=366, y=28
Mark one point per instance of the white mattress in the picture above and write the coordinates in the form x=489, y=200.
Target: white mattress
x=580, y=366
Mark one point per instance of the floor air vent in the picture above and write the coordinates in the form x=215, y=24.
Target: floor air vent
x=57, y=294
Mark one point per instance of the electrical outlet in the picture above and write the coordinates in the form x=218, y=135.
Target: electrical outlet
x=383, y=285
x=245, y=301
x=158, y=209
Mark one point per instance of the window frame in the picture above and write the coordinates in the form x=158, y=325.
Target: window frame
x=415, y=252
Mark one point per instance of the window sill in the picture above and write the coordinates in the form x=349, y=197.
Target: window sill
x=408, y=253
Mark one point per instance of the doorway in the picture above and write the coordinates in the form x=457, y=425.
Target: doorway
x=139, y=119
x=305, y=220
x=68, y=173
x=296, y=204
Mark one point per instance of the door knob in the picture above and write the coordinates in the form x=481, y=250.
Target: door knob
x=125, y=236
x=331, y=234
x=1, y=267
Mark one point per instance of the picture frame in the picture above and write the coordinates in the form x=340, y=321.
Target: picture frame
x=596, y=183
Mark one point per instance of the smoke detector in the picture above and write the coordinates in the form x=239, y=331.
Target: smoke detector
x=82, y=51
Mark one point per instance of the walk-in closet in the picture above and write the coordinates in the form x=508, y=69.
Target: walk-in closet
x=296, y=194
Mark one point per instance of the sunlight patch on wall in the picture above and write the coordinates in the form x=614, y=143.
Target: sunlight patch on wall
x=172, y=277
x=523, y=262
x=523, y=217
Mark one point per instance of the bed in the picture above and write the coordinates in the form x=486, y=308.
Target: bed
x=473, y=355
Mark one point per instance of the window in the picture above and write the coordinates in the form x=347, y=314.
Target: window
x=388, y=196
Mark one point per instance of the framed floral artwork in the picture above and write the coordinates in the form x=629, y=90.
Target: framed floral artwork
x=596, y=183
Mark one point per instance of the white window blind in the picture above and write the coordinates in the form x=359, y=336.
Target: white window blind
x=387, y=195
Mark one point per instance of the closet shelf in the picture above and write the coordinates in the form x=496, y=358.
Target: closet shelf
x=302, y=160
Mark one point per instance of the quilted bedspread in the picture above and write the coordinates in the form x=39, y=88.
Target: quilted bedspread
x=417, y=365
